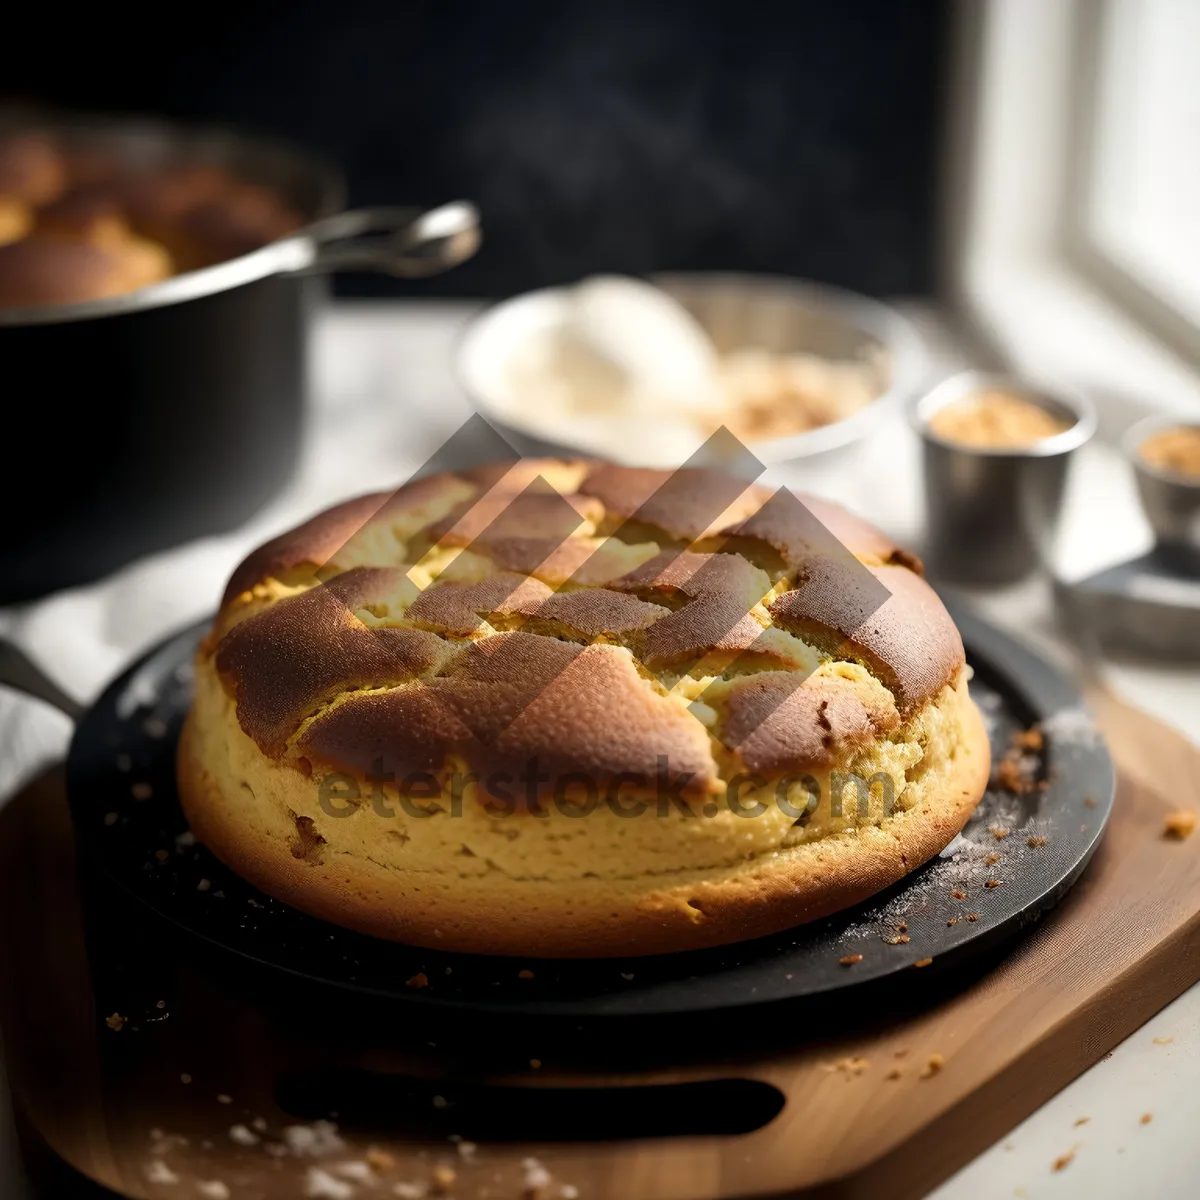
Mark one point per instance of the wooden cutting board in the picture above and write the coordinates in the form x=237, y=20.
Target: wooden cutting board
x=864, y=1110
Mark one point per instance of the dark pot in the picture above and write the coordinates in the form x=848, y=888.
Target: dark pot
x=142, y=421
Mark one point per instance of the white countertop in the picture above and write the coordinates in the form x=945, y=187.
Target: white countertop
x=385, y=402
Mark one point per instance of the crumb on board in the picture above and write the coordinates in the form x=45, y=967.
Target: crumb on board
x=933, y=1064
x=536, y=1063
x=958, y=894
x=894, y=1073
x=952, y=921
x=321, y=1185
x=141, y=791
x=972, y=916
x=923, y=962
x=379, y=1160
x=1163, y=1041
x=419, y=980
x=213, y=1189
x=1035, y=841
x=900, y=1053
x=849, y=960
x=1090, y=802
x=999, y=832
x=1146, y=1118
x=851, y=1065
x=525, y=974
x=1082, y=1121
x=993, y=883
x=443, y=1178
x=899, y=940
x=991, y=860
x=116, y=1022
x=1064, y=1160
x=1179, y=825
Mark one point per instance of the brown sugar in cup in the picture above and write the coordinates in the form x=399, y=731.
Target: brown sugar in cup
x=995, y=456
x=996, y=420
x=1165, y=453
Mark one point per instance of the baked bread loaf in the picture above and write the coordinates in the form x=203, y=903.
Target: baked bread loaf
x=570, y=709
x=77, y=222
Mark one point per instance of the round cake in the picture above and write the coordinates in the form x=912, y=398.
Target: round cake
x=570, y=709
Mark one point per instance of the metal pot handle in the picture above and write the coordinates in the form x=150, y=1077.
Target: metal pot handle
x=405, y=242
x=20, y=672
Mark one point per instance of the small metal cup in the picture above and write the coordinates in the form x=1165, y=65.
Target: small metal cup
x=1171, y=502
x=992, y=515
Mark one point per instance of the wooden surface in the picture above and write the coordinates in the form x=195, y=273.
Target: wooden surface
x=1124, y=943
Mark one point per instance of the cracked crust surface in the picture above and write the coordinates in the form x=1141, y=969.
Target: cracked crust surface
x=571, y=709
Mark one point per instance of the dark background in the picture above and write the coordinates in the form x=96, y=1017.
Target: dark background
x=633, y=135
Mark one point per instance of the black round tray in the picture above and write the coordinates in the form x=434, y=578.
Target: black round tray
x=121, y=788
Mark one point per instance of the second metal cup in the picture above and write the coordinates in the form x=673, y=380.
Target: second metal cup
x=991, y=514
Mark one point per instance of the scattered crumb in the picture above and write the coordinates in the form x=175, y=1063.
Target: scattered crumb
x=222, y=1098
x=115, y=1022
x=535, y=1063
x=243, y=1136
x=894, y=1073
x=162, y=855
x=204, y=885
x=1082, y=1121
x=998, y=832
x=419, y=980
x=536, y=1178
x=525, y=974
x=922, y=962
x=1090, y=802
x=317, y=1139
x=902, y=927
x=972, y=916
x=993, y=883
x=466, y=1151
x=185, y=839
x=1163, y=1041
x=958, y=894
x=357, y=1169
x=991, y=860
x=900, y=1053
x=848, y=1066
x=161, y=1004
x=627, y=977
x=568, y=1191
x=1064, y=1160
x=321, y=1185
x=443, y=1178
x=1179, y=825
x=141, y=791
x=185, y=1078
x=111, y=818
x=379, y=1160
x=212, y=1189
x=411, y=1191
x=1146, y=1118
x=849, y=960
x=1035, y=841
x=899, y=940
x=934, y=1064
x=157, y=1171
x=952, y=921
x=1028, y=739
x=154, y=727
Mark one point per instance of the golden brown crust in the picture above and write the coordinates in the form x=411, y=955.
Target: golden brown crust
x=504, y=634
x=588, y=917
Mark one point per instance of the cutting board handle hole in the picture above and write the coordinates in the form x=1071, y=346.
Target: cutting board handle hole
x=402, y=1105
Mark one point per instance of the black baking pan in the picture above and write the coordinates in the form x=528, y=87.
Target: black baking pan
x=177, y=410
x=1030, y=848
